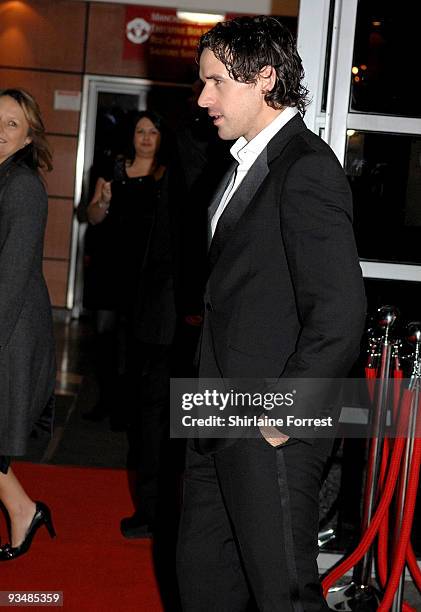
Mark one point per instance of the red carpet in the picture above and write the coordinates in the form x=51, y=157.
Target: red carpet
x=95, y=567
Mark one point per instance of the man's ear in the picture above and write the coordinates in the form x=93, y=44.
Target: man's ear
x=267, y=77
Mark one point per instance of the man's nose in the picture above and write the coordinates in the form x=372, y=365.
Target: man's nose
x=204, y=99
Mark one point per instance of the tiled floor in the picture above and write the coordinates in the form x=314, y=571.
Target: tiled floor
x=77, y=441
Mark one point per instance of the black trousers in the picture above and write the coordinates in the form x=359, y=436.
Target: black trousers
x=157, y=460
x=249, y=528
x=148, y=371
x=106, y=361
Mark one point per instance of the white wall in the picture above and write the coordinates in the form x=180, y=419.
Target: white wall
x=263, y=7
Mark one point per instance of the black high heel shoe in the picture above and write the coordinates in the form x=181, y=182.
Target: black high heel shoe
x=42, y=516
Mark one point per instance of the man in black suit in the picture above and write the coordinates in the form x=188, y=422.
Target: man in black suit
x=284, y=299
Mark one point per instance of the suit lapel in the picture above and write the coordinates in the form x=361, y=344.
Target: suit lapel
x=237, y=205
x=248, y=188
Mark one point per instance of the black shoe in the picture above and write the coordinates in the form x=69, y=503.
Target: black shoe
x=134, y=527
x=42, y=516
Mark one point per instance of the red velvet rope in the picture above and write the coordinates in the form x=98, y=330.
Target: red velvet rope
x=398, y=565
x=372, y=530
x=403, y=551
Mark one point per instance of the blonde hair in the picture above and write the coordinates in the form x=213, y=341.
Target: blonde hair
x=37, y=154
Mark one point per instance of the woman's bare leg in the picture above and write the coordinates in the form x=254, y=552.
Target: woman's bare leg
x=19, y=505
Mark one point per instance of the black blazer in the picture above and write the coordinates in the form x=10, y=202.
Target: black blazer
x=285, y=296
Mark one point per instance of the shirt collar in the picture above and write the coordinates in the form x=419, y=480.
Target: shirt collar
x=245, y=152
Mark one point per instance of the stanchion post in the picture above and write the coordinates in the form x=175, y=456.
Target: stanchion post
x=413, y=336
x=359, y=594
x=387, y=318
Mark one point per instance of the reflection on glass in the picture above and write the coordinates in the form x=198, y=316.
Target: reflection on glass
x=406, y=296
x=110, y=136
x=387, y=65
x=384, y=171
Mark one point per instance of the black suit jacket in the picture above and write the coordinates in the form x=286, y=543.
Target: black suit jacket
x=285, y=296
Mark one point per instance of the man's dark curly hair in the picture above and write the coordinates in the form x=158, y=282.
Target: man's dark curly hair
x=245, y=45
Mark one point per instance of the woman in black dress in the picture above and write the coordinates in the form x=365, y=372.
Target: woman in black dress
x=137, y=206
x=126, y=212
x=27, y=356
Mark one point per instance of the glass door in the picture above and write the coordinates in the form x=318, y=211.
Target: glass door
x=106, y=103
x=362, y=65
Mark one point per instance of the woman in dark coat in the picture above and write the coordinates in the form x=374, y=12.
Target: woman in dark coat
x=27, y=356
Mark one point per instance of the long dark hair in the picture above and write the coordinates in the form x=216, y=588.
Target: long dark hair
x=36, y=154
x=245, y=45
x=163, y=153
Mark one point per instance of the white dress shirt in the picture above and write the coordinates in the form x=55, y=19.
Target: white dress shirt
x=246, y=153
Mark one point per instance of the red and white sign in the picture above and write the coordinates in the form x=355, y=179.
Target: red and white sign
x=162, y=42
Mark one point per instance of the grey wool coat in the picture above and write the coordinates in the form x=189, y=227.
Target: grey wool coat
x=27, y=355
